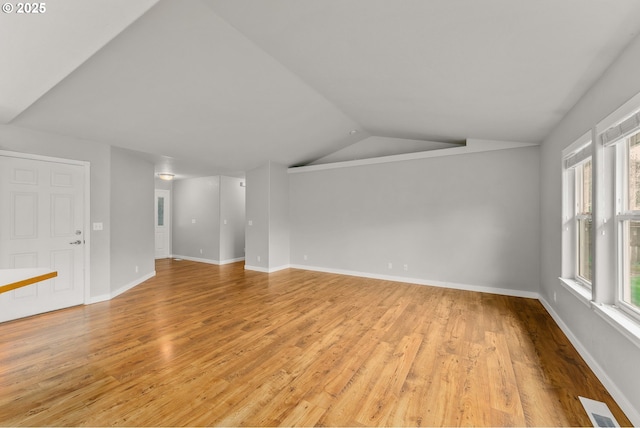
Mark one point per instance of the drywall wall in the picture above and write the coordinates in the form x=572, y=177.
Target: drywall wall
x=163, y=184
x=470, y=220
x=208, y=223
x=279, y=250
x=195, y=231
x=609, y=352
x=22, y=140
x=267, y=230
x=232, y=219
x=257, y=219
x=132, y=225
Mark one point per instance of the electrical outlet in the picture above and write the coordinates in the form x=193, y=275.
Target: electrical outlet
x=390, y=265
x=200, y=250
x=136, y=269
x=406, y=267
x=258, y=258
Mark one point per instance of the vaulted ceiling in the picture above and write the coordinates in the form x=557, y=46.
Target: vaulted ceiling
x=223, y=86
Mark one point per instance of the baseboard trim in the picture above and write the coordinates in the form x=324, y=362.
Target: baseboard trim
x=418, y=281
x=208, y=261
x=229, y=261
x=266, y=270
x=119, y=291
x=625, y=404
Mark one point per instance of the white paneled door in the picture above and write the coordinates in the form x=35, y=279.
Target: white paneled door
x=42, y=225
x=163, y=221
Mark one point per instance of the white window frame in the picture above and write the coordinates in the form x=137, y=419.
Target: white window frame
x=578, y=171
x=607, y=217
x=622, y=216
x=573, y=159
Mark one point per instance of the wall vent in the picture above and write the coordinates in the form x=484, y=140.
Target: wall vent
x=599, y=413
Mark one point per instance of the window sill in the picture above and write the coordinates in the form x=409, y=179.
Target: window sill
x=626, y=325
x=619, y=320
x=581, y=292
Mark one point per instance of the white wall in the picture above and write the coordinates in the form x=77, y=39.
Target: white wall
x=279, y=239
x=232, y=219
x=613, y=357
x=196, y=219
x=163, y=184
x=217, y=204
x=132, y=220
x=257, y=219
x=267, y=217
x=470, y=220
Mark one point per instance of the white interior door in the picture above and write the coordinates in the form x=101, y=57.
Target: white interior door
x=42, y=225
x=163, y=223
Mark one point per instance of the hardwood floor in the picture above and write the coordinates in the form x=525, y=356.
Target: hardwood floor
x=217, y=345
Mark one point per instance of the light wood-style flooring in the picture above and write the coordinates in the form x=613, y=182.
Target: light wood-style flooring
x=203, y=345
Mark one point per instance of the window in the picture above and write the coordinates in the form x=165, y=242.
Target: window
x=160, y=211
x=601, y=219
x=578, y=196
x=583, y=221
x=624, y=139
x=627, y=198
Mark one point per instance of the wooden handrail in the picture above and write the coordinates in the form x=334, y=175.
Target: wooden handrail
x=10, y=279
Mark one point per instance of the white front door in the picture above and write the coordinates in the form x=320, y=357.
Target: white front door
x=163, y=222
x=42, y=225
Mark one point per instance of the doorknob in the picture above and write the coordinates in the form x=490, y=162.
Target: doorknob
x=78, y=242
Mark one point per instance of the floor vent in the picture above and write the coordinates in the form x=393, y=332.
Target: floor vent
x=599, y=413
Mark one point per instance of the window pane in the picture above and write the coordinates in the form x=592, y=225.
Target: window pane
x=584, y=224
x=584, y=249
x=585, y=203
x=160, y=211
x=631, y=290
x=634, y=172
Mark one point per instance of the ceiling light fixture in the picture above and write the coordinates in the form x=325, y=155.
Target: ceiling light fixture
x=166, y=176
x=353, y=132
